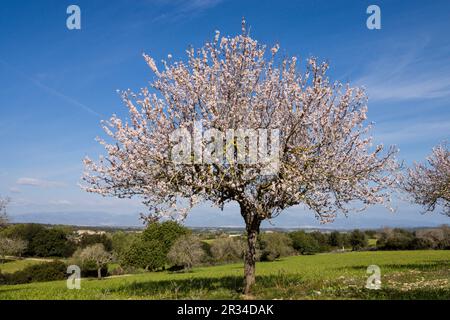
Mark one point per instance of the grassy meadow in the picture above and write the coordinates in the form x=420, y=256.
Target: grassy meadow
x=421, y=274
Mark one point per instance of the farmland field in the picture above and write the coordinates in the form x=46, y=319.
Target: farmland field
x=421, y=274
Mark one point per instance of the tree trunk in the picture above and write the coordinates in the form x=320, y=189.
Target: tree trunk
x=252, y=223
x=250, y=260
x=99, y=273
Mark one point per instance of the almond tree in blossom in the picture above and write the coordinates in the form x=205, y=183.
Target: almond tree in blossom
x=429, y=185
x=324, y=153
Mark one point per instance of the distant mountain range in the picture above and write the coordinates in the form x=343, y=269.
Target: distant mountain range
x=216, y=219
x=91, y=219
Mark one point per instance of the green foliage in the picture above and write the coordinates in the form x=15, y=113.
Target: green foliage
x=91, y=239
x=51, y=243
x=396, y=239
x=227, y=249
x=370, y=233
x=358, y=240
x=42, y=241
x=121, y=242
x=322, y=240
x=27, y=232
x=47, y=271
x=166, y=233
x=304, y=242
x=274, y=245
x=336, y=239
x=144, y=254
x=150, y=249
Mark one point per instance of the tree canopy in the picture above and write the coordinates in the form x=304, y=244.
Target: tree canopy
x=235, y=122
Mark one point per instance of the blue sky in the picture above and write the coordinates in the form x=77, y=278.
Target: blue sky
x=57, y=84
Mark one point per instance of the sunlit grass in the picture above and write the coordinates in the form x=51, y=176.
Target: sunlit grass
x=10, y=266
x=405, y=274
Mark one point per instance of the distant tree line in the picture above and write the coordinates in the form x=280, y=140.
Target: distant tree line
x=171, y=246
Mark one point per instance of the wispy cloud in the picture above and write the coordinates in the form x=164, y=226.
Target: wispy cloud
x=411, y=72
x=52, y=91
x=33, y=182
x=178, y=9
x=412, y=131
x=14, y=190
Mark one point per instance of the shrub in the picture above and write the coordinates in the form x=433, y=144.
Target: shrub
x=150, y=249
x=47, y=271
x=395, y=239
x=121, y=242
x=42, y=241
x=304, y=243
x=421, y=243
x=144, y=254
x=358, y=240
x=275, y=245
x=336, y=239
x=186, y=252
x=166, y=233
x=323, y=240
x=91, y=239
x=26, y=232
x=227, y=249
x=52, y=243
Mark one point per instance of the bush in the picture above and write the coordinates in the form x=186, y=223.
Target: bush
x=304, y=243
x=150, y=249
x=400, y=239
x=42, y=241
x=227, y=250
x=437, y=238
x=322, y=239
x=186, y=252
x=358, y=240
x=47, y=271
x=144, y=254
x=26, y=232
x=91, y=239
x=396, y=239
x=275, y=245
x=166, y=233
x=336, y=240
x=121, y=242
x=421, y=244
x=52, y=243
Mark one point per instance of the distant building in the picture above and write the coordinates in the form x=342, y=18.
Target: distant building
x=89, y=232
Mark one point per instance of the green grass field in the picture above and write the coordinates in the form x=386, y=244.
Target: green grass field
x=404, y=275
x=10, y=266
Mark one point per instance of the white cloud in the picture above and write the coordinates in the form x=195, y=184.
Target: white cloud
x=39, y=183
x=179, y=9
x=407, y=71
x=14, y=190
